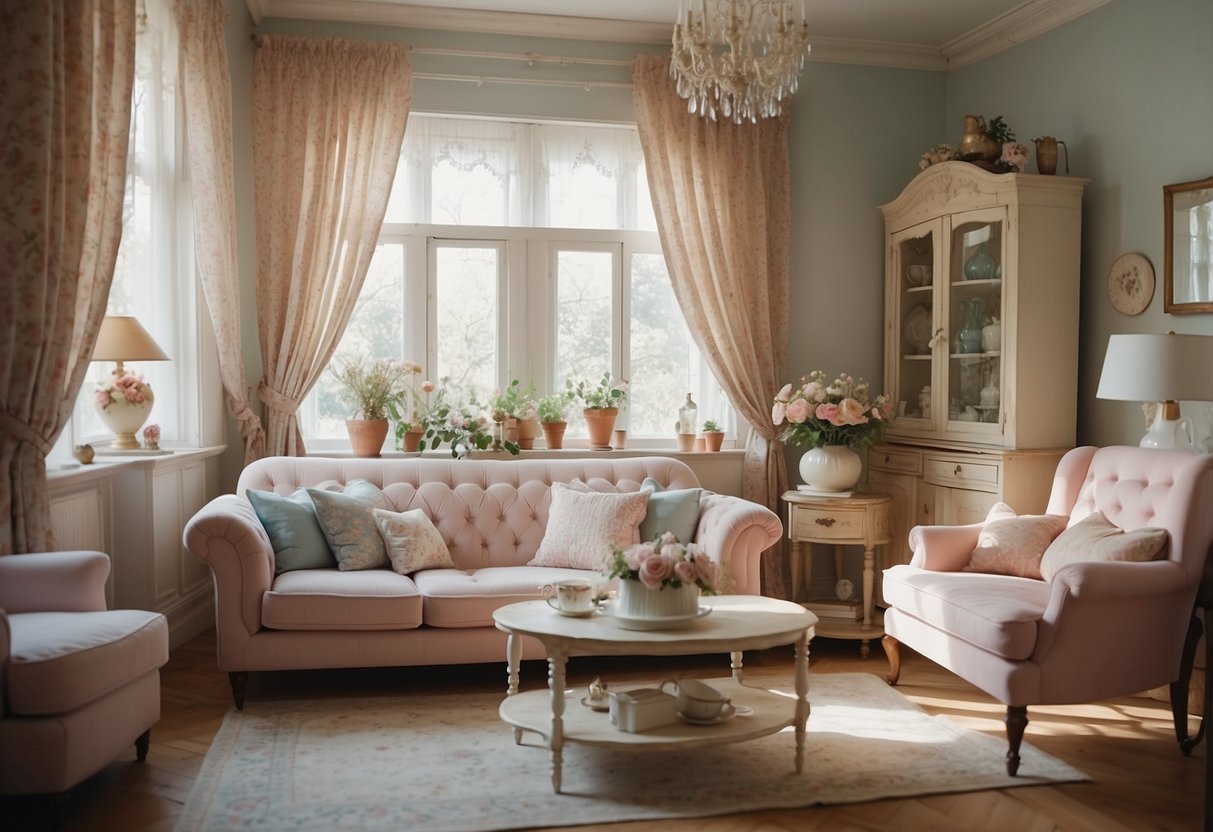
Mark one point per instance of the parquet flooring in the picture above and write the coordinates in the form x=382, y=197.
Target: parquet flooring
x=1139, y=779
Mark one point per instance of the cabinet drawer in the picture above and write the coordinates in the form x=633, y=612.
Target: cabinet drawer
x=982, y=476
x=822, y=524
x=896, y=460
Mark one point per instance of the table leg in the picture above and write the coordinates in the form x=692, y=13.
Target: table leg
x=869, y=575
x=513, y=652
x=797, y=553
x=556, y=665
x=802, y=696
x=736, y=665
x=837, y=562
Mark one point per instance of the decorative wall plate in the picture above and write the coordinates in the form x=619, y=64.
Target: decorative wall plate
x=1131, y=284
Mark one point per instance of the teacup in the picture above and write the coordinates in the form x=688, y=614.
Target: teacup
x=572, y=595
x=696, y=699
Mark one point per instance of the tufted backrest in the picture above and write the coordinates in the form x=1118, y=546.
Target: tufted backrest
x=1139, y=487
x=490, y=512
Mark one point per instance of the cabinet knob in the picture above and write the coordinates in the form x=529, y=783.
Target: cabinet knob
x=956, y=471
x=886, y=459
x=824, y=521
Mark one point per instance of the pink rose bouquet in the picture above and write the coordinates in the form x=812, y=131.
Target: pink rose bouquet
x=664, y=562
x=122, y=387
x=820, y=412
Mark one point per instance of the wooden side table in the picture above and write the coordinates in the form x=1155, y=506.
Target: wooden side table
x=860, y=519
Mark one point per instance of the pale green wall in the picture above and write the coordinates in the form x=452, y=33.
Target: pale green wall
x=1127, y=87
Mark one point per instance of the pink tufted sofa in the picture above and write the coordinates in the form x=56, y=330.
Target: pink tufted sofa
x=492, y=515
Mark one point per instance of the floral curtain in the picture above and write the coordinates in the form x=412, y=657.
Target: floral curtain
x=65, y=108
x=208, y=123
x=328, y=122
x=722, y=198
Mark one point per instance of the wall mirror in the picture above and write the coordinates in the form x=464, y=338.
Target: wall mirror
x=1188, y=233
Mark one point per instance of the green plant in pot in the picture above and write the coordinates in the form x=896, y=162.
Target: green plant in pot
x=552, y=410
x=601, y=406
x=713, y=436
x=515, y=405
x=373, y=389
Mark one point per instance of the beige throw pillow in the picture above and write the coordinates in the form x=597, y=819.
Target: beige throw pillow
x=412, y=541
x=583, y=528
x=1012, y=545
x=1095, y=538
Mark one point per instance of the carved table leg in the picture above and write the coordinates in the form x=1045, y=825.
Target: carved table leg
x=892, y=649
x=513, y=651
x=802, y=696
x=1017, y=721
x=735, y=664
x=797, y=558
x=556, y=664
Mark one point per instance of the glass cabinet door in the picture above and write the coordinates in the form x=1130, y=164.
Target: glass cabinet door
x=916, y=262
x=973, y=310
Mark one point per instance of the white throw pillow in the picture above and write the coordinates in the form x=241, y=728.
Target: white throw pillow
x=412, y=541
x=1095, y=538
x=583, y=528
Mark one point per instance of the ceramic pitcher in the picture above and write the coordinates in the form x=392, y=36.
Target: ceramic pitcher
x=1046, y=155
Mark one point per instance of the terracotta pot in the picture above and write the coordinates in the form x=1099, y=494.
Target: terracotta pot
x=600, y=422
x=528, y=429
x=510, y=430
x=553, y=434
x=686, y=442
x=713, y=439
x=366, y=435
x=412, y=439
x=620, y=440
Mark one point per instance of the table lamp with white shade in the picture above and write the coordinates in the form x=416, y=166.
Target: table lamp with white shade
x=125, y=401
x=1166, y=369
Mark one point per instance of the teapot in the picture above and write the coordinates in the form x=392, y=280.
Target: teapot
x=1046, y=155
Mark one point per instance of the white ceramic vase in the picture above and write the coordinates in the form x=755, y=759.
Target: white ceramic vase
x=638, y=601
x=124, y=419
x=830, y=468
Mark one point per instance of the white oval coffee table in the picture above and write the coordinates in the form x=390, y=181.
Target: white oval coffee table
x=736, y=623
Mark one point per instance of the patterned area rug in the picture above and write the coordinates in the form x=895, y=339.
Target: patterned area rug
x=447, y=763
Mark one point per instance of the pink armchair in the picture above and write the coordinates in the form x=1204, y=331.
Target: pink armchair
x=78, y=683
x=1096, y=629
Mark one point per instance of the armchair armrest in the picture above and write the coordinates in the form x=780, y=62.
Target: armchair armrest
x=1117, y=580
x=227, y=536
x=54, y=582
x=734, y=533
x=943, y=548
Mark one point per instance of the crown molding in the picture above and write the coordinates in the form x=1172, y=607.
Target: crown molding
x=877, y=53
x=258, y=9
x=1019, y=25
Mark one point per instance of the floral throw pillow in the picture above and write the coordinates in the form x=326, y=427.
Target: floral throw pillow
x=583, y=528
x=1014, y=545
x=412, y=541
x=349, y=527
x=1095, y=538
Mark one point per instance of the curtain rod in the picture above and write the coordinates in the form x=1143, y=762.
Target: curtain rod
x=529, y=58
x=481, y=80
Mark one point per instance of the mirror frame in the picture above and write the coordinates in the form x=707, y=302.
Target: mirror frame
x=1168, y=214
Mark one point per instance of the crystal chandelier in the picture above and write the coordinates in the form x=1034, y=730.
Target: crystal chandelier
x=743, y=58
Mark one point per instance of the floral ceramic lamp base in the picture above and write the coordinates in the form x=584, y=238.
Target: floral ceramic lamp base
x=125, y=416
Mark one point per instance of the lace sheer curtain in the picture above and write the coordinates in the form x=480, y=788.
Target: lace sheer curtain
x=722, y=198
x=65, y=128
x=328, y=120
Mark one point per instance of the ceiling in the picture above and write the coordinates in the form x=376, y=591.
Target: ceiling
x=924, y=34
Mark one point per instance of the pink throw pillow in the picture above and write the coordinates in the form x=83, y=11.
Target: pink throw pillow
x=1095, y=538
x=583, y=527
x=1013, y=545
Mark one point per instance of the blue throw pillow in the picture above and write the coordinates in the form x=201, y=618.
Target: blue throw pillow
x=294, y=532
x=675, y=511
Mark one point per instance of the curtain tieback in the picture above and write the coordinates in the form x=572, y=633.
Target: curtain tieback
x=278, y=401
x=10, y=424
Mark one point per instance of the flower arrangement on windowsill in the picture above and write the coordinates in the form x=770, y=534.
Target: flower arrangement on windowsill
x=838, y=412
x=461, y=425
x=664, y=562
x=372, y=388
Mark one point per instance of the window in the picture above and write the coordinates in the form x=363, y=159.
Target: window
x=526, y=251
x=153, y=275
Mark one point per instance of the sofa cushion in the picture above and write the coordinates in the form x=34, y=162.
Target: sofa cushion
x=412, y=541
x=1013, y=545
x=1095, y=538
x=349, y=527
x=998, y=613
x=583, y=528
x=675, y=511
x=293, y=530
x=455, y=598
x=329, y=599
x=61, y=661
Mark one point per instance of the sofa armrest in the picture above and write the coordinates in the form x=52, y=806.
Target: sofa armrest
x=227, y=536
x=734, y=533
x=943, y=548
x=54, y=582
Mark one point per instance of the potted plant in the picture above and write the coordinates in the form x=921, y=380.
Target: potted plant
x=713, y=436
x=458, y=423
x=551, y=411
x=407, y=412
x=371, y=388
x=601, y=406
x=517, y=407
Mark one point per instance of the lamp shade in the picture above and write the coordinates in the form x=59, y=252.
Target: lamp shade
x=1155, y=368
x=123, y=338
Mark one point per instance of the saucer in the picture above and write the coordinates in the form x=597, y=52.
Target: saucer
x=663, y=623
x=575, y=613
x=727, y=712
x=604, y=706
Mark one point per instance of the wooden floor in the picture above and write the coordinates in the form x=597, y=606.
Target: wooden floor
x=1139, y=779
